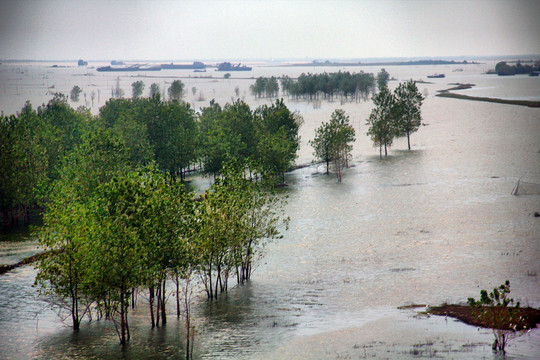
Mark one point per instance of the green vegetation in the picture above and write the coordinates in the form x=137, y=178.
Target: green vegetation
x=75, y=92
x=176, y=90
x=395, y=115
x=268, y=135
x=135, y=229
x=137, y=88
x=265, y=87
x=332, y=142
x=495, y=311
x=502, y=68
x=154, y=90
x=118, y=219
x=408, y=115
x=343, y=85
x=382, y=78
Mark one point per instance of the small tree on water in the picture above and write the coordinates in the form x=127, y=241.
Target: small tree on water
x=496, y=312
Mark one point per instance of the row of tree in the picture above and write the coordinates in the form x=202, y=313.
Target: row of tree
x=343, y=85
x=115, y=231
x=502, y=68
x=35, y=143
x=394, y=115
x=265, y=87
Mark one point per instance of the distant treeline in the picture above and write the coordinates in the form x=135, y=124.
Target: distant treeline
x=346, y=85
x=37, y=144
x=502, y=68
x=385, y=63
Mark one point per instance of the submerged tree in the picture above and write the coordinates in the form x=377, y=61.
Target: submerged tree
x=495, y=311
x=381, y=122
x=75, y=92
x=333, y=141
x=137, y=88
x=408, y=114
x=236, y=217
x=154, y=90
x=176, y=90
x=382, y=79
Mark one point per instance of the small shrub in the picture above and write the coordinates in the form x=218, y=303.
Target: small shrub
x=496, y=311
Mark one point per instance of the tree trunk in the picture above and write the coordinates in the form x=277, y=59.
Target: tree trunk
x=163, y=310
x=151, y=301
x=409, y=140
x=177, y=296
x=122, y=317
x=158, y=307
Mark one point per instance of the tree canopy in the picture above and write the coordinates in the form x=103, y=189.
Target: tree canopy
x=333, y=141
x=395, y=115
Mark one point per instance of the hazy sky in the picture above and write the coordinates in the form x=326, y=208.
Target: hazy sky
x=193, y=30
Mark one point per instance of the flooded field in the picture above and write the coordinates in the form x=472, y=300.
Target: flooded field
x=432, y=225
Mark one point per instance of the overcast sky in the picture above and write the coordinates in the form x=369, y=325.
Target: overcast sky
x=266, y=29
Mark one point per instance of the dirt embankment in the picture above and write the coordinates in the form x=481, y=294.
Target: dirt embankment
x=527, y=317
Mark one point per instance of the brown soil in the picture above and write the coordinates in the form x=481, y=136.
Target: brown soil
x=471, y=316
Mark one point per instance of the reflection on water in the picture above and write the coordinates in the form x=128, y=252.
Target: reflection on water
x=431, y=225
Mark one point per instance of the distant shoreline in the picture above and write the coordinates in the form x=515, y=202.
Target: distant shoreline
x=528, y=103
x=447, y=94
x=384, y=63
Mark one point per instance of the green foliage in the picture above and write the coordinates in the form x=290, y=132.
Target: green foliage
x=151, y=129
x=269, y=135
x=24, y=159
x=227, y=75
x=495, y=311
x=348, y=86
x=382, y=79
x=137, y=88
x=34, y=145
x=75, y=92
x=333, y=141
x=381, y=121
x=267, y=87
x=278, y=140
x=395, y=114
x=154, y=90
x=407, y=107
x=236, y=217
x=176, y=90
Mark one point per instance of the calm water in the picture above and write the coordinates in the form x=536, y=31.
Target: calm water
x=431, y=225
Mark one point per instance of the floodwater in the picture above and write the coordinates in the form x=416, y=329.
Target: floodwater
x=432, y=225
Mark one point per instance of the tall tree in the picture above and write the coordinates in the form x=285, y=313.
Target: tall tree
x=276, y=123
x=75, y=92
x=382, y=129
x=382, y=79
x=154, y=90
x=408, y=114
x=25, y=139
x=137, y=88
x=333, y=141
x=176, y=90
x=322, y=144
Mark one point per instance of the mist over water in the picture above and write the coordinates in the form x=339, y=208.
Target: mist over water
x=432, y=225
